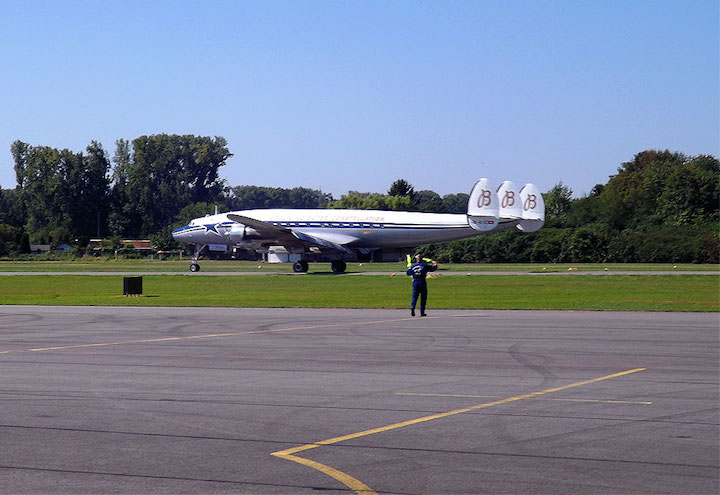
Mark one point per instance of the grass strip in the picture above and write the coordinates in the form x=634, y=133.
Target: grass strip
x=174, y=266
x=580, y=292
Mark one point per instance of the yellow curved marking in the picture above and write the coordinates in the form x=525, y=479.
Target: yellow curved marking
x=354, y=484
x=360, y=487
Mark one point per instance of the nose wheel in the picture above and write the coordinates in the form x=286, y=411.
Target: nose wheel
x=194, y=267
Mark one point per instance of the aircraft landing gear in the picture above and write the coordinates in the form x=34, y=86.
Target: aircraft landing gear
x=338, y=266
x=194, y=267
x=300, y=266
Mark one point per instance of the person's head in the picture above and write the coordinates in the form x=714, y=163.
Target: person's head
x=418, y=257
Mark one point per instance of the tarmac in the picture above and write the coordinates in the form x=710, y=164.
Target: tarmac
x=235, y=400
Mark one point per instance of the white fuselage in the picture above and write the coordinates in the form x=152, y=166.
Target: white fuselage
x=349, y=234
x=351, y=228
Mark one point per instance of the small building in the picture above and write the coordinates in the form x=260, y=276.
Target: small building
x=39, y=248
x=137, y=243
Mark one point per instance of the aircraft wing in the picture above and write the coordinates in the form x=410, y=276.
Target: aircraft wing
x=285, y=236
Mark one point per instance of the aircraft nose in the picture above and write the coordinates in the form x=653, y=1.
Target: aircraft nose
x=181, y=233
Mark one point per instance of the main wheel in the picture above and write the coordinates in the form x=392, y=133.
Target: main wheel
x=300, y=266
x=338, y=266
x=194, y=267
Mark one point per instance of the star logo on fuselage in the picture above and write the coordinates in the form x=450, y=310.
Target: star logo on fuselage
x=212, y=228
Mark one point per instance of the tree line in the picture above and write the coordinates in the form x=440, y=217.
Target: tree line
x=659, y=207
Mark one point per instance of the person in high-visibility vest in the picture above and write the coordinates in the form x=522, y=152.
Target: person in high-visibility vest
x=419, y=271
x=410, y=263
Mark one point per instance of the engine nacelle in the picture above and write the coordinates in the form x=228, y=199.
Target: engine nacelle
x=237, y=232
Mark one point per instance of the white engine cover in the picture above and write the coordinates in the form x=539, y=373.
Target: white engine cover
x=236, y=232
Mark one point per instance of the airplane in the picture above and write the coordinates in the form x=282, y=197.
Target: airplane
x=341, y=235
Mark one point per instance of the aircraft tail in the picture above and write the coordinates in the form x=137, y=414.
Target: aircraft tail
x=483, y=207
x=533, y=209
x=494, y=210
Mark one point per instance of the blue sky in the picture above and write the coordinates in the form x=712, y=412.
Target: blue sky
x=340, y=95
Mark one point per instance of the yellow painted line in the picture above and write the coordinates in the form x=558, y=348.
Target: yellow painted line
x=288, y=454
x=602, y=401
x=463, y=396
x=203, y=336
x=206, y=336
x=354, y=484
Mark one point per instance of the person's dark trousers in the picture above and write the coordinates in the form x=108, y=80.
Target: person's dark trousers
x=419, y=290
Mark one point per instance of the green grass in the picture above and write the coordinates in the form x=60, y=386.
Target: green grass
x=122, y=265
x=580, y=292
